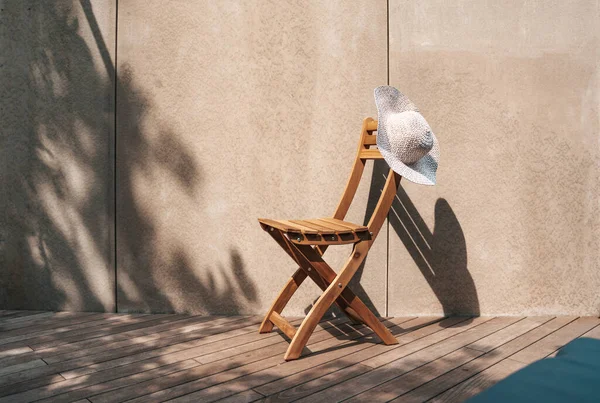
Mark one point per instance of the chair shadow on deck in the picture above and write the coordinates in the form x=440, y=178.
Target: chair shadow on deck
x=352, y=335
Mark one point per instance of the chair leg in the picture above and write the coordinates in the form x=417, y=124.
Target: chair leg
x=315, y=273
x=332, y=292
x=354, y=303
x=282, y=300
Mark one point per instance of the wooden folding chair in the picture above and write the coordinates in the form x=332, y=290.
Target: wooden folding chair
x=306, y=241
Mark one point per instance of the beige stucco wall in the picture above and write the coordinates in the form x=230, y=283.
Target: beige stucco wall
x=57, y=124
x=230, y=111
x=512, y=91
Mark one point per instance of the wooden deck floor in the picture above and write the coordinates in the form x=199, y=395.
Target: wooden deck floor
x=92, y=357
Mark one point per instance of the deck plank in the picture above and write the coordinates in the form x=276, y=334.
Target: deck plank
x=58, y=392
x=480, y=382
x=84, y=333
x=62, y=335
x=6, y=313
x=14, y=351
x=329, y=379
x=22, y=367
x=155, y=340
x=555, y=340
x=122, y=371
x=32, y=320
x=593, y=333
x=193, y=349
x=322, y=352
x=243, y=397
x=11, y=315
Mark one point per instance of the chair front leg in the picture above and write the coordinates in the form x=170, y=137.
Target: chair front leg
x=332, y=292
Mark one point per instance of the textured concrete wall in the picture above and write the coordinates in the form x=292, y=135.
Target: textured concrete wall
x=512, y=91
x=57, y=121
x=230, y=111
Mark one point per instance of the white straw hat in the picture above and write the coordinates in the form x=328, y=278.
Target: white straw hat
x=404, y=137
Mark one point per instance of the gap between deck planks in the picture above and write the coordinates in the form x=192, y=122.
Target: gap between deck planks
x=106, y=357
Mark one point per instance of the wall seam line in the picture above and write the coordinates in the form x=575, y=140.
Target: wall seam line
x=387, y=247
x=115, y=158
x=387, y=22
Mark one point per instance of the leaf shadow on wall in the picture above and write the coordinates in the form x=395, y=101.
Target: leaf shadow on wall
x=441, y=255
x=56, y=172
x=54, y=222
x=150, y=276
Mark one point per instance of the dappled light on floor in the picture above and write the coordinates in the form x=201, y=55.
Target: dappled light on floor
x=55, y=357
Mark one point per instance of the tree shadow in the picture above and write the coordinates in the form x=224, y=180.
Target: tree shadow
x=61, y=215
x=53, y=143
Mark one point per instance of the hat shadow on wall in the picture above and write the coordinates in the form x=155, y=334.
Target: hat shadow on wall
x=56, y=235
x=440, y=255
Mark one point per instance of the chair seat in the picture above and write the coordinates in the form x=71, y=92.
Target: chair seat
x=318, y=231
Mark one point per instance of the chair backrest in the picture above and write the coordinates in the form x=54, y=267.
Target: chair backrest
x=367, y=150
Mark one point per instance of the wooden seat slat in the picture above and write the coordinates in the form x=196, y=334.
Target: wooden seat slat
x=353, y=227
x=299, y=227
x=277, y=224
x=311, y=224
x=330, y=228
x=340, y=229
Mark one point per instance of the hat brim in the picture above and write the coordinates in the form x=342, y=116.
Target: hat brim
x=392, y=99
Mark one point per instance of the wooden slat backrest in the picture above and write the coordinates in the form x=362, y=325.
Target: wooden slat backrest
x=367, y=140
x=370, y=140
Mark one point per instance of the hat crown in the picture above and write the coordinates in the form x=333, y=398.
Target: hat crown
x=410, y=137
x=405, y=140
